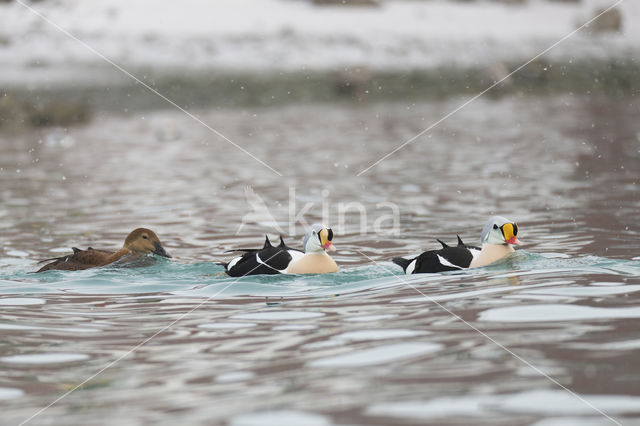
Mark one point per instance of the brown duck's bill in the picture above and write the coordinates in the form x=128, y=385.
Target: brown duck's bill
x=160, y=250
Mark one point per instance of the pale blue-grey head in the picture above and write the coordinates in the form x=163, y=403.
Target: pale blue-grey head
x=318, y=239
x=492, y=231
x=312, y=231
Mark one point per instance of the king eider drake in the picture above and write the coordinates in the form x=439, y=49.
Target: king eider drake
x=140, y=241
x=498, y=237
x=285, y=260
x=317, y=242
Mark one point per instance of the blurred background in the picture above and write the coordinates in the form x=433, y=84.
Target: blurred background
x=317, y=91
x=274, y=52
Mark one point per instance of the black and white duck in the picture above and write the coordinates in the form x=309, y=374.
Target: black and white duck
x=282, y=259
x=499, y=235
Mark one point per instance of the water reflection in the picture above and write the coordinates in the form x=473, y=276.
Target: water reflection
x=326, y=349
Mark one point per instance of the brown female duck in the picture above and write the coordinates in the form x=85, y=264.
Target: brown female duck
x=139, y=241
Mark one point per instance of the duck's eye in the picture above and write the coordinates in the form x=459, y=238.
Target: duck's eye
x=145, y=237
x=495, y=226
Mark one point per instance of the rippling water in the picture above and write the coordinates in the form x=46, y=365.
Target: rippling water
x=365, y=345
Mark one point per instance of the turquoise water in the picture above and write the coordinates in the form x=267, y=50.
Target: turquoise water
x=406, y=349
x=205, y=279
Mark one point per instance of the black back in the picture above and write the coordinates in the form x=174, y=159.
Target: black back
x=274, y=260
x=429, y=261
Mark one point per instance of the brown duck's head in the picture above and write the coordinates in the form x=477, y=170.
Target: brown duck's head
x=143, y=240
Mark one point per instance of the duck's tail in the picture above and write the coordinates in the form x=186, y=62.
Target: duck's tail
x=402, y=262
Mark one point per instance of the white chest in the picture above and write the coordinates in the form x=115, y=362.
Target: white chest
x=491, y=253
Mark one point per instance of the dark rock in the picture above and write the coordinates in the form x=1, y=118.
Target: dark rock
x=610, y=21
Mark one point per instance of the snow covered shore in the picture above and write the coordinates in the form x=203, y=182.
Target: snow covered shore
x=258, y=36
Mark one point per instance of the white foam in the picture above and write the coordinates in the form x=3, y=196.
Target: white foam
x=546, y=401
x=379, y=334
x=21, y=301
x=588, y=290
x=17, y=253
x=467, y=406
x=60, y=250
x=294, y=327
x=573, y=421
x=623, y=345
x=14, y=261
x=74, y=329
x=473, y=293
x=322, y=344
x=10, y=393
x=553, y=371
x=556, y=312
x=97, y=313
x=539, y=297
x=5, y=326
x=227, y=325
x=555, y=255
x=540, y=402
x=280, y=418
x=176, y=300
x=52, y=358
x=370, y=318
x=378, y=355
x=9, y=326
x=234, y=376
x=278, y=315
